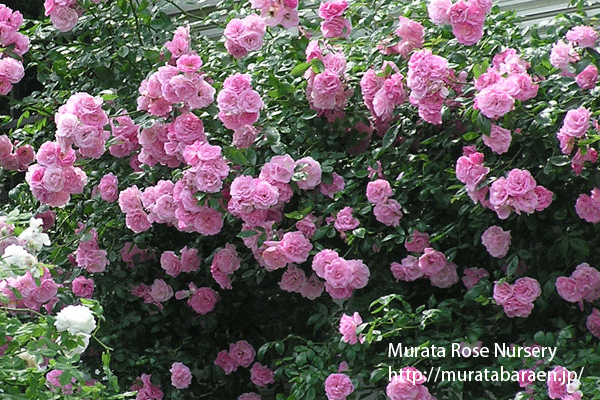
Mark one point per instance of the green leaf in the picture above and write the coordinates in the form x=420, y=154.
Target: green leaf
x=484, y=124
x=300, y=69
x=245, y=234
x=234, y=155
x=389, y=138
x=359, y=232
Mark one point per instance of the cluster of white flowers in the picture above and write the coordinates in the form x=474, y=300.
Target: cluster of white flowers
x=17, y=259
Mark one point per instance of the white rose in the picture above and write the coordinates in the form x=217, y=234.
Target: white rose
x=34, y=236
x=75, y=319
x=17, y=256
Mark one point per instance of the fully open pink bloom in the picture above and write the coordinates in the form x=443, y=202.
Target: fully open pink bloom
x=203, y=300
x=225, y=361
x=83, y=287
x=408, y=270
x=242, y=352
x=338, y=387
x=593, y=323
x=496, y=241
x=432, y=261
x=260, y=375
x=181, y=376
x=348, y=326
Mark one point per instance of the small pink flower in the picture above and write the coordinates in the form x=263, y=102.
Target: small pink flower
x=260, y=375
x=378, y=191
x=348, y=326
x=225, y=361
x=181, y=376
x=587, y=78
x=83, y=287
x=418, y=242
x=242, y=353
x=338, y=387
x=496, y=241
x=593, y=323
x=408, y=270
x=344, y=220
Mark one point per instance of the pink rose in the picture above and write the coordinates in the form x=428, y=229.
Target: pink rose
x=274, y=258
x=418, y=242
x=526, y=289
x=567, y=289
x=438, y=11
x=293, y=279
x=225, y=361
x=170, y=263
x=160, y=291
x=339, y=273
x=502, y=292
x=322, y=259
x=519, y=182
x=226, y=259
x=582, y=36
x=388, y=212
x=473, y=275
x=331, y=9
x=593, y=323
x=338, y=387
x=557, y=382
x=312, y=288
x=295, y=246
x=498, y=140
x=408, y=384
x=432, y=261
x=242, y=353
x=576, y=122
x=181, y=376
x=514, y=307
x=378, y=191
x=408, y=271
x=348, y=326
x=444, y=278
x=493, y=102
x=203, y=300
x=344, y=220
x=108, y=187
x=562, y=54
x=64, y=18
x=587, y=78
x=496, y=241
x=260, y=375
x=588, y=281
x=311, y=171
x=137, y=221
x=83, y=287
x=467, y=33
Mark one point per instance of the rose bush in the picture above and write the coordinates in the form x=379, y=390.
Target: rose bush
x=280, y=205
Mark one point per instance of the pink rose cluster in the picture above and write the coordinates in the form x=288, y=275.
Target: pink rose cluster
x=345, y=221
x=574, y=129
x=244, y=35
x=11, y=70
x=432, y=265
x=278, y=12
x=427, y=79
x=334, y=25
x=157, y=293
x=240, y=354
x=588, y=207
x=348, y=326
x=146, y=390
x=239, y=104
x=125, y=133
x=327, y=91
x=465, y=17
x=14, y=158
x=10, y=23
x=63, y=14
x=207, y=169
x=89, y=256
x=293, y=247
x=338, y=386
x=181, y=45
x=134, y=255
x=80, y=122
x=202, y=300
x=382, y=92
x=517, y=299
x=341, y=276
x=496, y=241
x=294, y=280
x=34, y=292
x=176, y=86
x=502, y=84
x=474, y=275
x=386, y=210
x=408, y=384
x=225, y=262
x=563, y=55
x=583, y=284
x=174, y=265
x=518, y=192
x=181, y=376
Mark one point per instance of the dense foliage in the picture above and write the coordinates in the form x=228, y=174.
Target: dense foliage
x=275, y=211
